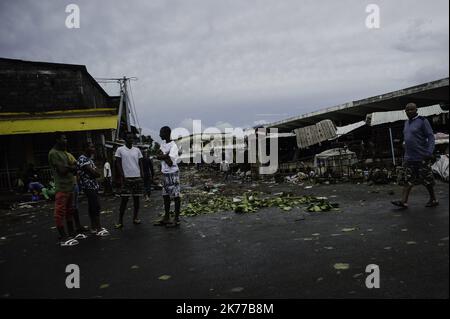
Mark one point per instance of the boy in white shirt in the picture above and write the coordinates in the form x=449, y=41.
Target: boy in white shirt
x=171, y=179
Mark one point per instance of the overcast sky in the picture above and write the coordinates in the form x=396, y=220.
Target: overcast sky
x=236, y=62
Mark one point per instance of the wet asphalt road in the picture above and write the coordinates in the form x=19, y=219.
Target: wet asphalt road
x=268, y=254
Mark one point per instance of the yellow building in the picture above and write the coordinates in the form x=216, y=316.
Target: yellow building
x=39, y=99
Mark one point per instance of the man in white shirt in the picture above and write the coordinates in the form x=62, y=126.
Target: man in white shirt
x=129, y=167
x=171, y=179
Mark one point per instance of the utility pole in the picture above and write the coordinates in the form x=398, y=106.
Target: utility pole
x=127, y=109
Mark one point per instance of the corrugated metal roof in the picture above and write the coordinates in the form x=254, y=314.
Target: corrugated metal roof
x=347, y=113
x=379, y=118
x=342, y=130
x=314, y=134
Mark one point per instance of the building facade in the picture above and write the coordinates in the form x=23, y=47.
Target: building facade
x=39, y=99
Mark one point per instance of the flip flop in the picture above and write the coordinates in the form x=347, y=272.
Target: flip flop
x=432, y=203
x=118, y=226
x=399, y=203
x=80, y=236
x=102, y=233
x=70, y=242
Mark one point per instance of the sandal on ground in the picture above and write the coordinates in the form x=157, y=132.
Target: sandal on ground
x=173, y=224
x=80, y=236
x=102, y=233
x=118, y=226
x=399, y=203
x=432, y=203
x=69, y=242
x=136, y=221
x=161, y=222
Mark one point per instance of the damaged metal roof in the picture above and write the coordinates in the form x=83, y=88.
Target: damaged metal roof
x=378, y=118
x=430, y=93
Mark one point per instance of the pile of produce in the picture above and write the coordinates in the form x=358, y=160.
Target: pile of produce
x=251, y=202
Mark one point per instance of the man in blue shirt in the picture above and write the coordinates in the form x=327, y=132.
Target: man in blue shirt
x=419, y=147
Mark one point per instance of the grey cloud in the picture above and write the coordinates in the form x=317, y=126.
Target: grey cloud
x=231, y=61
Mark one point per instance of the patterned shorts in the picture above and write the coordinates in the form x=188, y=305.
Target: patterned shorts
x=133, y=186
x=416, y=173
x=171, y=185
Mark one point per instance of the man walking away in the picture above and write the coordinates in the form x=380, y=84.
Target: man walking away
x=129, y=166
x=419, y=147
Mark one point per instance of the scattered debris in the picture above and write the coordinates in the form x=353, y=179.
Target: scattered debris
x=341, y=266
x=346, y=230
x=297, y=178
x=322, y=205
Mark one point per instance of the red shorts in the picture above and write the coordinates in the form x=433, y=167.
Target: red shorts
x=63, y=207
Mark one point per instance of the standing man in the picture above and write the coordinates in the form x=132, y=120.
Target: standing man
x=76, y=193
x=88, y=181
x=147, y=165
x=63, y=171
x=419, y=147
x=168, y=156
x=129, y=167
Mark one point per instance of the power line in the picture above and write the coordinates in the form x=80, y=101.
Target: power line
x=134, y=107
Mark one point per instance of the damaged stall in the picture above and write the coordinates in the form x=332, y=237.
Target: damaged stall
x=335, y=163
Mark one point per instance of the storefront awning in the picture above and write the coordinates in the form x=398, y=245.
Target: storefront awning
x=58, y=121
